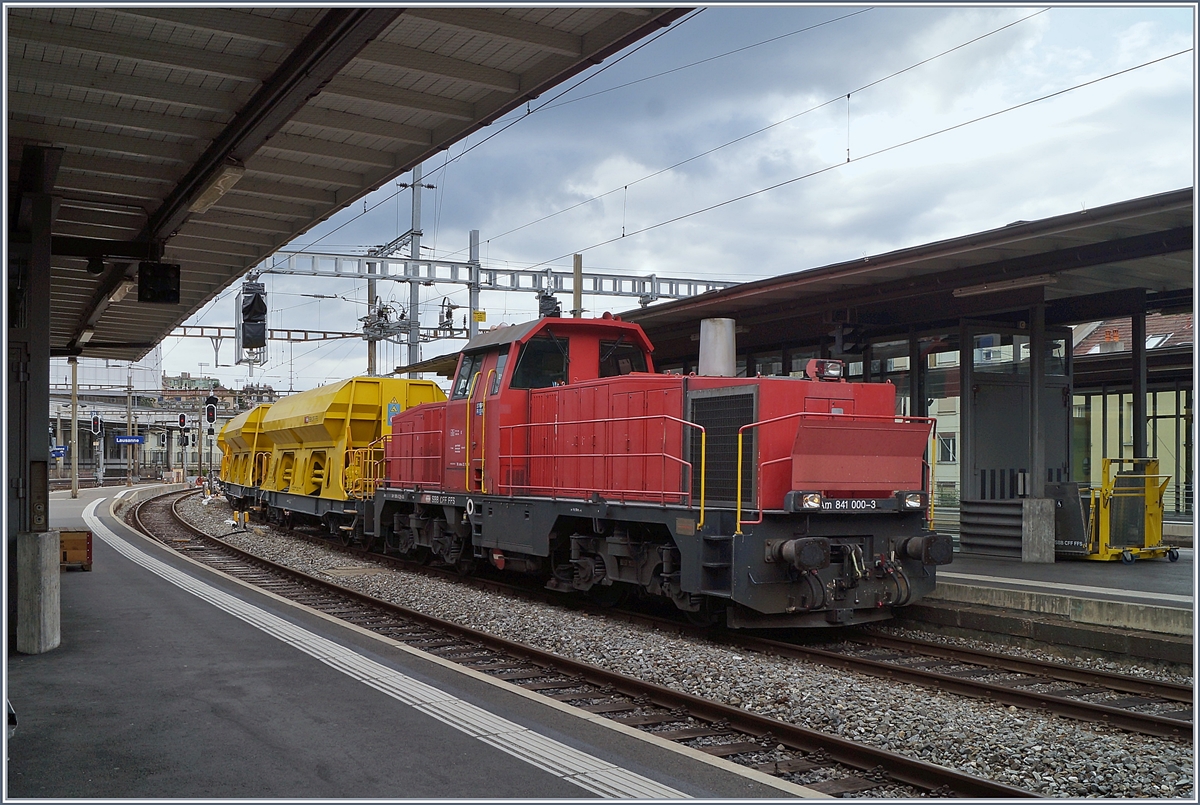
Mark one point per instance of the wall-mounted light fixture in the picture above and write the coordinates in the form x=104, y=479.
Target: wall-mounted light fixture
x=219, y=185
x=122, y=290
x=85, y=336
x=95, y=265
x=1007, y=285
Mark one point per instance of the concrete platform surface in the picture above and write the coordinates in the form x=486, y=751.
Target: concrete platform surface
x=1151, y=582
x=176, y=682
x=1145, y=609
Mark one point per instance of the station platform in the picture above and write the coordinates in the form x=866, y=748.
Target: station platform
x=173, y=681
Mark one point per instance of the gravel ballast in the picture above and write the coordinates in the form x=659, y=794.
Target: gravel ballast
x=1050, y=755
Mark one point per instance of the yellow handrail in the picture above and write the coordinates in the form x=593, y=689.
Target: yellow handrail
x=467, y=431
x=483, y=438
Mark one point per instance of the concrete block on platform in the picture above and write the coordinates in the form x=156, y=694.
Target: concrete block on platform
x=1037, y=530
x=39, y=603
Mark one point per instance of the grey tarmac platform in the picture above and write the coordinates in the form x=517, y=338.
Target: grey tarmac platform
x=175, y=682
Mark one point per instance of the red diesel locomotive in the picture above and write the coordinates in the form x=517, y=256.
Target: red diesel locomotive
x=769, y=501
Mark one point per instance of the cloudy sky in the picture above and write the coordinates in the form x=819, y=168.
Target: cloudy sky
x=959, y=120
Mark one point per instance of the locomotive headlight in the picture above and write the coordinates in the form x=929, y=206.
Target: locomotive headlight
x=810, y=500
x=833, y=369
x=913, y=500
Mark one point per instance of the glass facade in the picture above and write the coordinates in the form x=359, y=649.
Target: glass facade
x=1102, y=427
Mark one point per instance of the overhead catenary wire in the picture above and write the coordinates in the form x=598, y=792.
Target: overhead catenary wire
x=735, y=51
x=768, y=127
x=875, y=153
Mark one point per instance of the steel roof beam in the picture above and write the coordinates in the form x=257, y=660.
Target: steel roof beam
x=127, y=86
x=70, y=246
x=289, y=169
x=137, y=147
x=503, y=27
x=359, y=124
x=333, y=43
x=231, y=220
x=307, y=146
x=225, y=234
x=236, y=24
x=246, y=202
x=105, y=115
x=172, y=57
x=275, y=189
x=101, y=186
x=414, y=60
x=115, y=166
x=360, y=89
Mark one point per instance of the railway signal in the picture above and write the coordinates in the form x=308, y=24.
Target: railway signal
x=210, y=410
x=182, y=421
x=95, y=423
x=253, y=311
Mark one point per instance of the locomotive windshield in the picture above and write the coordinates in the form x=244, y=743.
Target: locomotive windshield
x=466, y=370
x=543, y=363
x=501, y=360
x=619, y=358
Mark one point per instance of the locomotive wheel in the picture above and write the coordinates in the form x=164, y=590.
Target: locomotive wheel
x=369, y=541
x=609, y=595
x=465, y=566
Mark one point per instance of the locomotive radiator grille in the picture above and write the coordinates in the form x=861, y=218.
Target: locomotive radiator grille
x=721, y=415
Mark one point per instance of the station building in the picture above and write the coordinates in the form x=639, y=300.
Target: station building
x=1074, y=335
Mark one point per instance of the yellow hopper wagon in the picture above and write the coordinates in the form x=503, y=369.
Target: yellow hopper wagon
x=320, y=443
x=245, y=449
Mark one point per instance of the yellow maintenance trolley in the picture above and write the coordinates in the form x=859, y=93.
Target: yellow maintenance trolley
x=1123, y=519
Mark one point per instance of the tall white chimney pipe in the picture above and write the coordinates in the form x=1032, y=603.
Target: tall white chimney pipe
x=717, y=348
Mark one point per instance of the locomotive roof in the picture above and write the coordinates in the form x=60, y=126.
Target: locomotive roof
x=523, y=332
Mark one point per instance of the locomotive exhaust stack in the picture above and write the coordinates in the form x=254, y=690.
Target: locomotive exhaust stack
x=718, y=348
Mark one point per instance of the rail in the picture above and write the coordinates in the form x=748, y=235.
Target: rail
x=800, y=414
x=608, y=459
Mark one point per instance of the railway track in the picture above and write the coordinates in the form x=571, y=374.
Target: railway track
x=826, y=763
x=1149, y=707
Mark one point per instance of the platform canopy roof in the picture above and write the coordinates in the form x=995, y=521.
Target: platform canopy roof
x=1086, y=265
x=209, y=137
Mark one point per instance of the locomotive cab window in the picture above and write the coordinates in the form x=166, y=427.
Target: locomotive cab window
x=501, y=361
x=466, y=370
x=543, y=363
x=620, y=358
